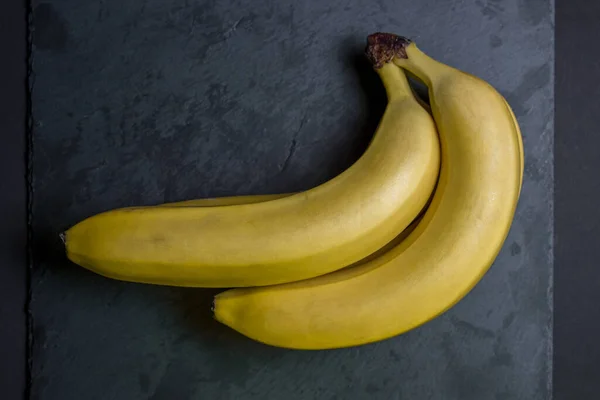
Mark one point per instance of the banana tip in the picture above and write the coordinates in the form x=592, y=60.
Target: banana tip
x=383, y=47
x=63, y=237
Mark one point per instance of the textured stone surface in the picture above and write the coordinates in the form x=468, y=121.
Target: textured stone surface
x=140, y=102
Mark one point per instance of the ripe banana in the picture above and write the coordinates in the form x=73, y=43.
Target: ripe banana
x=449, y=251
x=226, y=201
x=297, y=237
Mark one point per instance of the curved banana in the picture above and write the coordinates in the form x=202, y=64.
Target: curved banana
x=301, y=236
x=226, y=201
x=460, y=235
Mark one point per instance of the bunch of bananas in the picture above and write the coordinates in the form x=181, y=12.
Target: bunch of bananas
x=390, y=243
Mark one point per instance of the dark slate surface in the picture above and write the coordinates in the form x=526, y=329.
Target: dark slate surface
x=140, y=102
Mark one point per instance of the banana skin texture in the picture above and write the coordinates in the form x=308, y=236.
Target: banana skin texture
x=436, y=265
x=281, y=240
x=226, y=201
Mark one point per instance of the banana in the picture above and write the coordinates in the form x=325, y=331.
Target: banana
x=437, y=264
x=226, y=201
x=426, y=106
x=249, y=199
x=297, y=237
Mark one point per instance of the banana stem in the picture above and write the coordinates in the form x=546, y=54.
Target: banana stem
x=383, y=48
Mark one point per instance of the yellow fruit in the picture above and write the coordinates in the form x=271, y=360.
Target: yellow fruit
x=449, y=251
x=249, y=199
x=226, y=201
x=297, y=237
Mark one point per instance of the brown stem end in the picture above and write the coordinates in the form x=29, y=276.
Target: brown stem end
x=383, y=47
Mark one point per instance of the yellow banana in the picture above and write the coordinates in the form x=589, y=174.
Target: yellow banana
x=249, y=199
x=426, y=106
x=460, y=235
x=297, y=237
x=226, y=201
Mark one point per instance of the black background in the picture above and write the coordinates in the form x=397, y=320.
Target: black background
x=13, y=216
x=577, y=189
x=577, y=219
